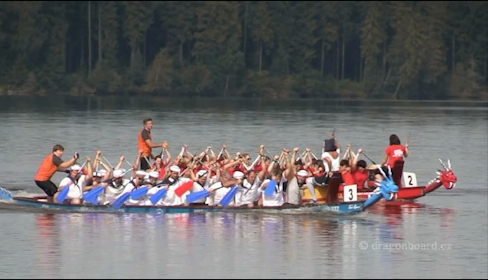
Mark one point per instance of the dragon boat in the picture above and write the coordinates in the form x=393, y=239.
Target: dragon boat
x=406, y=181
x=333, y=203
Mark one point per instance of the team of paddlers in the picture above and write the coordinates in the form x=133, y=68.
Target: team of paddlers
x=206, y=178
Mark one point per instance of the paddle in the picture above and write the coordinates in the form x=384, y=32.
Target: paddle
x=5, y=194
x=139, y=192
x=369, y=158
x=229, y=196
x=270, y=189
x=155, y=198
x=108, y=162
x=184, y=188
x=92, y=195
x=199, y=195
x=121, y=200
x=63, y=194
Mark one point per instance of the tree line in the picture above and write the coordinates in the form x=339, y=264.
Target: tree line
x=273, y=49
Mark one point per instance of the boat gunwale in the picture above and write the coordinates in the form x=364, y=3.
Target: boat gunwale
x=35, y=200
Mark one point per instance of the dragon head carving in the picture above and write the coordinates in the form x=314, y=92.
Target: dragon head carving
x=446, y=177
x=387, y=186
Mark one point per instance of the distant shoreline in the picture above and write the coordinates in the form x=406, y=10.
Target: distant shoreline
x=113, y=102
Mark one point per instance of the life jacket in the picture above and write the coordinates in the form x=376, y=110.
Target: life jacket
x=147, y=150
x=47, y=169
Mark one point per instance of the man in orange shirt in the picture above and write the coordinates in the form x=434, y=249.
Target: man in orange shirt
x=49, y=166
x=146, y=144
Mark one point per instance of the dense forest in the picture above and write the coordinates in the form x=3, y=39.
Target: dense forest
x=272, y=49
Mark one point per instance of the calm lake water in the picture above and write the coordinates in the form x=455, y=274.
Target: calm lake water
x=442, y=235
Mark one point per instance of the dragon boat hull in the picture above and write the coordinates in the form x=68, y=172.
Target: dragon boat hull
x=410, y=193
x=406, y=181
x=41, y=203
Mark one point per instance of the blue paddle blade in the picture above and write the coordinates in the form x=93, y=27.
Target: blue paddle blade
x=121, y=200
x=155, y=198
x=197, y=196
x=228, y=197
x=92, y=195
x=63, y=194
x=139, y=192
x=5, y=194
x=270, y=189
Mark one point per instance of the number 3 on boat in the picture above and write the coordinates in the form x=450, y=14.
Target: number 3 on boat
x=350, y=193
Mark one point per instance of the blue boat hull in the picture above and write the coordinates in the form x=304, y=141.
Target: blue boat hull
x=339, y=208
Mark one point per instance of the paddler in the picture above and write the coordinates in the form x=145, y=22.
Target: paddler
x=146, y=144
x=394, y=153
x=49, y=166
x=76, y=181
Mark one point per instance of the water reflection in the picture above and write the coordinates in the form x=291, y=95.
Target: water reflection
x=48, y=242
x=320, y=246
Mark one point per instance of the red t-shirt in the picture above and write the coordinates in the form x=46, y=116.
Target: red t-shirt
x=258, y=167
x=236, y=167
x=162, y=172
x=360, y=177
x=232, y=169
x=313, y=169
x=348, y=178
x=395, y=153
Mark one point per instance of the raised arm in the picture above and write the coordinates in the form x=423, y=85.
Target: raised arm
x=167, y=160
x=96, y=160
x=355, y=160
x=68, y=163
x=121, y=161
x=290, y=165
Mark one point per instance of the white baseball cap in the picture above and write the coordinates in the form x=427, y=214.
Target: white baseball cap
x=118, y=173
x=201, y=173
x=302, y=173
x=153, y=174
x=141, y=173
x=75, y=167
x=238, y=175
x=175, y=168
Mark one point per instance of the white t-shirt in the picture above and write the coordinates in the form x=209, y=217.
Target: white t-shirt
x=75, y=188
x=276, y=199
x=249, y=193
x=112, y=193
x=218, y=194
x=335, y=162
x=171, y=199
x=197, y=188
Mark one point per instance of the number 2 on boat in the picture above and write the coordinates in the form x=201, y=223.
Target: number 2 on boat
x=350, y=193
x=409, y=179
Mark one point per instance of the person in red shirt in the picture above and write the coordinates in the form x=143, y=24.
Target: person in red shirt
x=359, y=171
x=395, y=152
x=345, y=170
x=160, y=165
